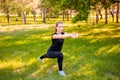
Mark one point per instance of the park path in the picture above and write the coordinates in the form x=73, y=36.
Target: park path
x=23, y=27
x=27, y=27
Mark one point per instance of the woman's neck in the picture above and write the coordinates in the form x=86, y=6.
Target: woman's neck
x=58, y=32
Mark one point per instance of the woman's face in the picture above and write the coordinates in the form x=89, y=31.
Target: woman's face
x=59, y=28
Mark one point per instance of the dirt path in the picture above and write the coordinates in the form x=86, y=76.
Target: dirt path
x=24, y=27
x=27, y=27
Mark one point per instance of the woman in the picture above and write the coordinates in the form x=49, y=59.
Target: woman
x=55, y=49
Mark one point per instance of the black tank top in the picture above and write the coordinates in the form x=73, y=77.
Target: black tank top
x=56, y=44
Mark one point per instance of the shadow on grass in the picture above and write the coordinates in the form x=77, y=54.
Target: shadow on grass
x=22, y=42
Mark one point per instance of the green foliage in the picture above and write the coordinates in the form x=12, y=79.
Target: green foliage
x=5, y=7
x=83, y=8
x=80, y=17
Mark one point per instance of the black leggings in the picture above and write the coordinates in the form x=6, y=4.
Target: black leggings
x=54, y=54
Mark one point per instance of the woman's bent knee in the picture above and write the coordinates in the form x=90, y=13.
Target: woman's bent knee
x=60, y=55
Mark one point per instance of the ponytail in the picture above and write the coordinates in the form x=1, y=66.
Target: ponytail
x=57, y=26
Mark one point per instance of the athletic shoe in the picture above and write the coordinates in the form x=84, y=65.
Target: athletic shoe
x=40, y=59
x=61, y=73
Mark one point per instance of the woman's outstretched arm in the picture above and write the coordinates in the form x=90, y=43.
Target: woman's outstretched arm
x=66, y=35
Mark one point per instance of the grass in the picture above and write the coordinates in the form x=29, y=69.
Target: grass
x=95, y=55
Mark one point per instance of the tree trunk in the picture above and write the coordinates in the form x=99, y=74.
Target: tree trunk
x=16, y=17
x=106, y=21
x=99, y=11
x=70, y=14
x=8, y=16
x=112, y=14
x=63, y=15
x=67, y=16
x=44, y=15
x=6, y=9
x=97, y=17
x=34, y=15
x=49, y=16
x=92, y=17
x=117, y=13
x=41, y=15
x=24, y=17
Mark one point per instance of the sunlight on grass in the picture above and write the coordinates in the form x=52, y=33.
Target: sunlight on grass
x=86, y=70
x=5, y=38
x=15, y=64
x=108, y=49
x=102, y=33
x=93, y=41
x=45, y=37
x=11, y=64
x=21, y=42
x=102, y=50
x=37, y=72
x=115, y=48
x=32, y=60
x=43, y=68
x=39, y=36
x=33, y=37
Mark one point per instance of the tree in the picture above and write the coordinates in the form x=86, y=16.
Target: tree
x=16, y=9
x=5, y=6
x=98, y=8
x=92, y=16
x=106, y=4
x=44, y=3
x=34, y=7
x=46, y=7
x=25, y=6
x=111, y=10
x=83, y=9
x=61, y=7
x=34, y=13
x=117, y=12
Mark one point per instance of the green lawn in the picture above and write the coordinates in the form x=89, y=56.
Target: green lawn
x=95, y=55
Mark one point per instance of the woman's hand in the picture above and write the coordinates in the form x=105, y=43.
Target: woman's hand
x=74, y=35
